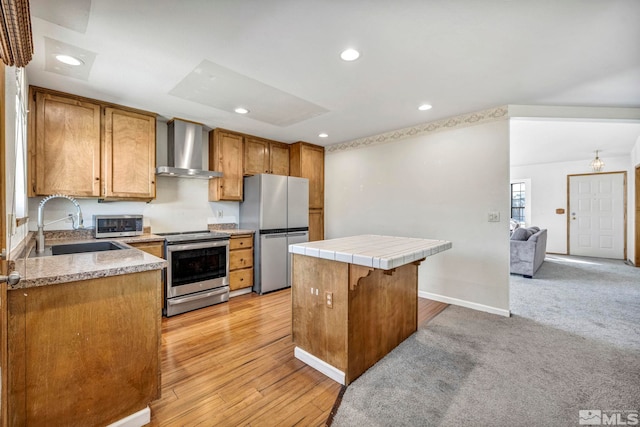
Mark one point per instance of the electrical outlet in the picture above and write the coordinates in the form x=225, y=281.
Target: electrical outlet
x=329, y=298
x=494, y=216
x=220, y=213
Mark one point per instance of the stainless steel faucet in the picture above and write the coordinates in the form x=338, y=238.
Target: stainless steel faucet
x=41, y=224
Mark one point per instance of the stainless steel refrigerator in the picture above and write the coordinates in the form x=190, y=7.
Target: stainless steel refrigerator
x=276, y=207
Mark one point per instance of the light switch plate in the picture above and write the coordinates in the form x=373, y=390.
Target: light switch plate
x=494, y=216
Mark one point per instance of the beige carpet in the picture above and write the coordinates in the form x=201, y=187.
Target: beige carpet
x=572, y=344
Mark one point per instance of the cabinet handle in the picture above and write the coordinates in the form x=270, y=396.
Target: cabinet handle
x=241, y=243
x=242, y=279
x=97, y=178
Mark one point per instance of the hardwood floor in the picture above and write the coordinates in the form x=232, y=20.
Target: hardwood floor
x=232, y=364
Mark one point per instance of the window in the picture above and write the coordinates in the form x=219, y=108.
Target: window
x=20, y=140
x=518, y=202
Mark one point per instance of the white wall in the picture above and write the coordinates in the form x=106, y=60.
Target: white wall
x=435, y=186
x=549, y=192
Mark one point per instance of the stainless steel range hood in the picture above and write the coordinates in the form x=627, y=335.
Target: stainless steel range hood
x=184, y=156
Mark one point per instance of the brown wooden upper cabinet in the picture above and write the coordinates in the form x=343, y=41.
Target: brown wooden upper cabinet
x=307, y=161
x=65, y=157
x=264, y=156
x=129, y=155
x=85, y=148
x=225, y=155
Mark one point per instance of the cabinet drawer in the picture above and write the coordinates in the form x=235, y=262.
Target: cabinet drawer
x=241, y=242
x=240, y=258
x=241, y=279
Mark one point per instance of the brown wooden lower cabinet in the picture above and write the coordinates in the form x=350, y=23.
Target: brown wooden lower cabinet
x=84, y=353
x=371, y=311
x=240, y=261
x=153, y=248
x=316, y=224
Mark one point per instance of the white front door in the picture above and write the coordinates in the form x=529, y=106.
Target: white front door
x=596, y=215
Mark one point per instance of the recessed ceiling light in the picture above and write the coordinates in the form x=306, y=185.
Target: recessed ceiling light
x=350, y=55
x=323, y=135
x=241, y=110
x=425, y=107
x=69, y=60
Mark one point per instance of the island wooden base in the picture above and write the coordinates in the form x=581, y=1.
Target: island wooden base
x=370, y=312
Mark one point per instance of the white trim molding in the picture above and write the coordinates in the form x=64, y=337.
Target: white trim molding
x=320, y=365
x=465, y=120
x=139, y=419
x=464, y=303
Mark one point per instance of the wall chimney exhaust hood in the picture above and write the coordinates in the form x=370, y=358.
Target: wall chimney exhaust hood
x=184, y=157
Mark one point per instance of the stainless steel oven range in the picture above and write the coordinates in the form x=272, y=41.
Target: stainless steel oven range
x=198, y=272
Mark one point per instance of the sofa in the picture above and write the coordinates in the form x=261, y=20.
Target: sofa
x=528, y=247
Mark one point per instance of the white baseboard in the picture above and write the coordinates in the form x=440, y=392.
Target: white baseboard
x=319, y=365
x=464, y=303
x=139, y=419
x=239, y=292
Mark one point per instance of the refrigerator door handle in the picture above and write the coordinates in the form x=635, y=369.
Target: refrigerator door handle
x=304, y=233
x=274, y=236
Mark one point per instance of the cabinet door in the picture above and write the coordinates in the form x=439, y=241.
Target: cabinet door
x=129, y=155
x=153, y=248
x=313, y=168
x=316, y=224
x=256, y=156
x=279, y=158
x=225, y=156
x=67, y=147
x=307, y=161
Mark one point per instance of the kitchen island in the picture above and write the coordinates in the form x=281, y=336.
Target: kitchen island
x=354, y=299
x=83, y=337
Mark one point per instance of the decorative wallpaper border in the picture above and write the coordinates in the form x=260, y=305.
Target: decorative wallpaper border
x=465, y=120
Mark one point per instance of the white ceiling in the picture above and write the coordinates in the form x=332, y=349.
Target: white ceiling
x=458, y=55
x=536, y=141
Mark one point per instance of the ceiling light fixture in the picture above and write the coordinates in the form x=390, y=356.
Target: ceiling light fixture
x=69, y=60
x=425, y=107
x=241, y=110
x=349, y=55
x=597, y=164
x=323, y=135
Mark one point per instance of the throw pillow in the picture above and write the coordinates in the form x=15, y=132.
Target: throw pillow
x=521, y=234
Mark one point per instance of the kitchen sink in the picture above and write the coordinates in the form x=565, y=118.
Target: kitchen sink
x=78, y=248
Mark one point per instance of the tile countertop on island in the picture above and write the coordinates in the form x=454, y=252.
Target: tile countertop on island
x=49, y=270
x=383, y=252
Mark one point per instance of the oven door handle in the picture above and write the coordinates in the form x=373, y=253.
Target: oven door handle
x=199, y=245
x=197, y=297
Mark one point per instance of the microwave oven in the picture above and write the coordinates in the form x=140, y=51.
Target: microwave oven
x=117, y=225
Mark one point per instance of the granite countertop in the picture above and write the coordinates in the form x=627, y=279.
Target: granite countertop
x=384, y=252
x=49, y=270
x=229, y=228
x=237, y=231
